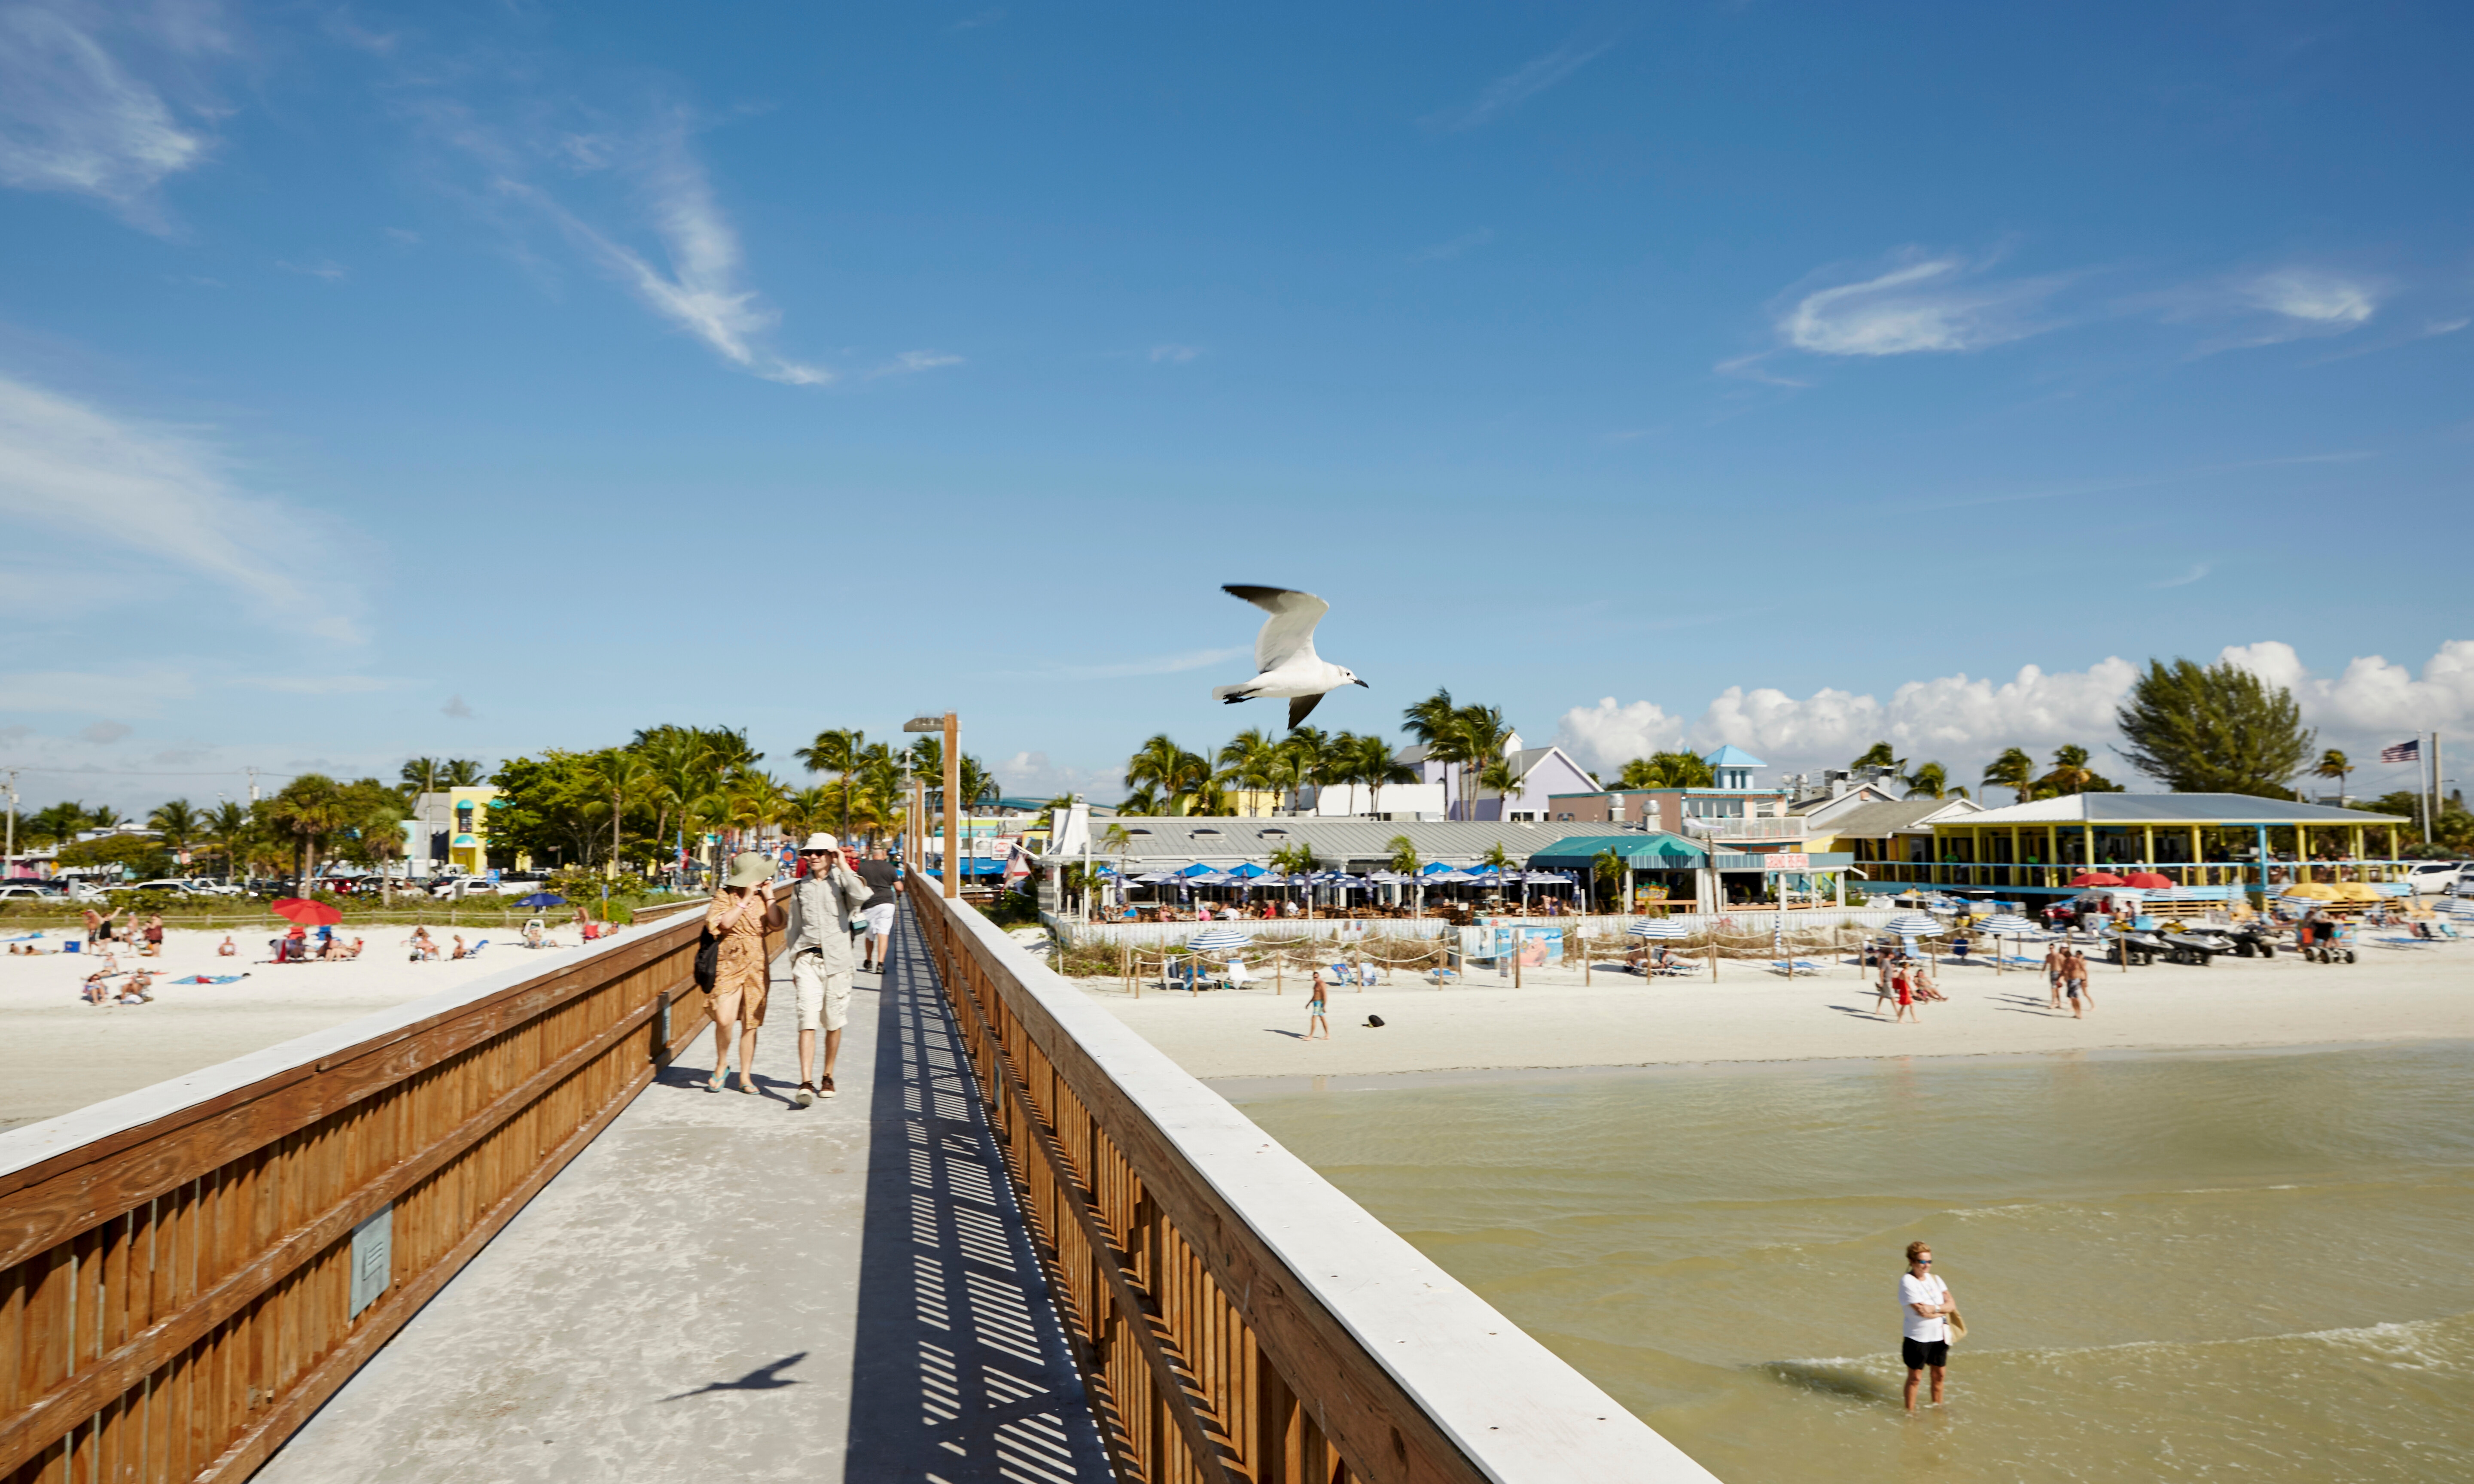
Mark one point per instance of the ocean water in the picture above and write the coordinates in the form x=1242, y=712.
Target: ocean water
x=2173, y=1267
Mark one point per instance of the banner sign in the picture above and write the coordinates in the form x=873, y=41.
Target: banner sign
x=1787, y=862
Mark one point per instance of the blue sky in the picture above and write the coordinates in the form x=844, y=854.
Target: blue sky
x=471, y=379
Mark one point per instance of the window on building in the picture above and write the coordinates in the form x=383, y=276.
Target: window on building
x=1714, y=809
x=463, y=819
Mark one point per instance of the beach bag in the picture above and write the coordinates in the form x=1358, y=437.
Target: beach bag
x=708, y=960
x=1954, y=1327
x=1374, y=1019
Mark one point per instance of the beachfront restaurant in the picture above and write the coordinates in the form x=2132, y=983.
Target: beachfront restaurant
x=2226, y=841
x=1686, y=875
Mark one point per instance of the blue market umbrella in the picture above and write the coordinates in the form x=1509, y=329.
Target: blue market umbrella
x=542, y=900
x=1218, y=939
x=1658, y=929
x=1248, y=871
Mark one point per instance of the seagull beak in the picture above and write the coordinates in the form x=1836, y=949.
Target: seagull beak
x=1362, y=682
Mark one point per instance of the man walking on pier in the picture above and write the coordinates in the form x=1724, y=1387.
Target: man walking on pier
x=880, y=876
x=824, y=908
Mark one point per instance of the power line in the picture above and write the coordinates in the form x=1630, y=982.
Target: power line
x=133, y=773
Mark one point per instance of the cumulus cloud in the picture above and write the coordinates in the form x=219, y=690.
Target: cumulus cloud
x=116, y=483
x=1604, y=737
x=1964, y=721
x=1940, y=303
x=2371, y=701
x=75, y=117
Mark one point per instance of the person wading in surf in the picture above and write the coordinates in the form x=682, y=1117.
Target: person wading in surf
x=1925, y=1307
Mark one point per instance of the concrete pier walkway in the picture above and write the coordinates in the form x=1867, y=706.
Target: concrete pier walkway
x=728, y=1288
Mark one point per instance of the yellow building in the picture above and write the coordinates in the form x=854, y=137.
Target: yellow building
x=468, y=834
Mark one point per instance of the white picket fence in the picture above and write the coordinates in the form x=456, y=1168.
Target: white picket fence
x=1152, y=936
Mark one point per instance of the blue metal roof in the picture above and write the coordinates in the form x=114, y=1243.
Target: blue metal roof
x=1734, y=757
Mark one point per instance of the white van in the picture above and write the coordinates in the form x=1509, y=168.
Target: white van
x=2432, y=877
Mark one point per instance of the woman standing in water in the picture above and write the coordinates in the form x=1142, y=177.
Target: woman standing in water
x=1925, y=1307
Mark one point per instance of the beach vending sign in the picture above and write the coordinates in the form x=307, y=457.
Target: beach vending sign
x=1537, y=947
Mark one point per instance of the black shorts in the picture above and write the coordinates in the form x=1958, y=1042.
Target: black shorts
x=1920, y=1353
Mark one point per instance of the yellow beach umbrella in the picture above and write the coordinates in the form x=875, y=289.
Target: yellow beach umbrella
x=2316, y=891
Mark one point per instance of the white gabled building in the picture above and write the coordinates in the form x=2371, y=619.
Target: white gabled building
x=1543, y=772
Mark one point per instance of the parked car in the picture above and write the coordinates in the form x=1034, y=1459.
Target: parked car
x=2430, y=877
x=180, y=884
x=28, y=891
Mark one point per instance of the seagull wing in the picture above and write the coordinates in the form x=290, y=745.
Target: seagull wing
x=1289, y=633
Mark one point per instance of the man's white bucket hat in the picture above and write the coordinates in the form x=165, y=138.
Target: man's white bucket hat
x=820, y=841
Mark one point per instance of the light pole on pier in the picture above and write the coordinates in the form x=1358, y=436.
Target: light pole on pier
x=953, y=729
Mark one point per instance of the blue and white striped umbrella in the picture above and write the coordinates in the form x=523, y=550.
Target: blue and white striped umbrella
x=1658, y=928
x=2008, y=924
x=1214, y=940
x=1915, y=924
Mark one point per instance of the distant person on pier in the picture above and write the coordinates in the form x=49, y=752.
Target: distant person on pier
x=880, y=875
x=827, y=906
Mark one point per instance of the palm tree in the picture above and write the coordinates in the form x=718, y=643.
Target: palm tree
x=2071, y=774
x=1931, y=780
x=1609, y=869
x=1142, y=803
x=1503, y=774
x=2333, y=764
x=1668, y=769
x=1878, y=756
x=1405, y=862
x=2015, y=770
x=1156, y=765
x=1435, y=722
x=1376, y=766
x=1251, y=759
x=622, y=775
x=423, y=775
x=1479, y=739
x=311, y=808
x=464, y=773
x=230, y=826
x=373, y=814
x=838, y=751
x=175, y=822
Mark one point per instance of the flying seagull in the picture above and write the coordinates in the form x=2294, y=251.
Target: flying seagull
x=1284, y=651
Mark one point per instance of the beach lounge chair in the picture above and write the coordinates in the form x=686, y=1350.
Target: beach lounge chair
x=475, y=951
x=1800, y=965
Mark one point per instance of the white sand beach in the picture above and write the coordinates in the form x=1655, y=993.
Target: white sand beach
x=1752, y=1015
x=64, y=1054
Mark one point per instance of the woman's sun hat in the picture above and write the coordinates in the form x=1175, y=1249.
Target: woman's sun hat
x=750, y=868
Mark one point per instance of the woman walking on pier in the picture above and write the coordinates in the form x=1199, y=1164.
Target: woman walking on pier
x=740, y=913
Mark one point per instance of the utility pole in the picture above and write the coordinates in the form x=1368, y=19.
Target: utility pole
x=252, y=785
x=9, y=863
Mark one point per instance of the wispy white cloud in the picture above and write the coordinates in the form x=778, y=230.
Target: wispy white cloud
x=1031, y=775
x=139, y=691
x=74, y=117
x=1935, y=305
x=1756, y=368
x=701, y=289
x=104, y=733
x=975, y=20
x=909, y=362
x=326, y=269
x=2198, y=571
x=1155, y=664
x=1517, y=87
x=2315, y=297
x=456, y=708
x=320, y=684
x=1174, y=355
x=1452, y=248
x=121, y=484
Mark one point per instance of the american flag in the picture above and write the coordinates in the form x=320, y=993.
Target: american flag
x=2403, y=751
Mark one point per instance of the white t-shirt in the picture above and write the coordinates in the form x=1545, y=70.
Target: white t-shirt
x=1914, y=1290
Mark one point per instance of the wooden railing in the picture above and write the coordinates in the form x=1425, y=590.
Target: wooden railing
x=1235, y=1316
x=187, y=1273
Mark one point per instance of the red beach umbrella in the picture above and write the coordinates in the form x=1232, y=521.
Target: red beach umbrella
x=2096, y=878
x=303, y=911
x=2148, y=880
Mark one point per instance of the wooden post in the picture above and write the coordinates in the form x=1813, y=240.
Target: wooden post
x=954, y=856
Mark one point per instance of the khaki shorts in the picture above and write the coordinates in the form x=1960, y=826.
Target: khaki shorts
x=823, y=999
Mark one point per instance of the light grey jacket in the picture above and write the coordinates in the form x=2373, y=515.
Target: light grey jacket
x=824, y=908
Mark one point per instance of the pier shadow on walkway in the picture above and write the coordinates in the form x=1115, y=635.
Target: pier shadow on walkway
x=961, y=1370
